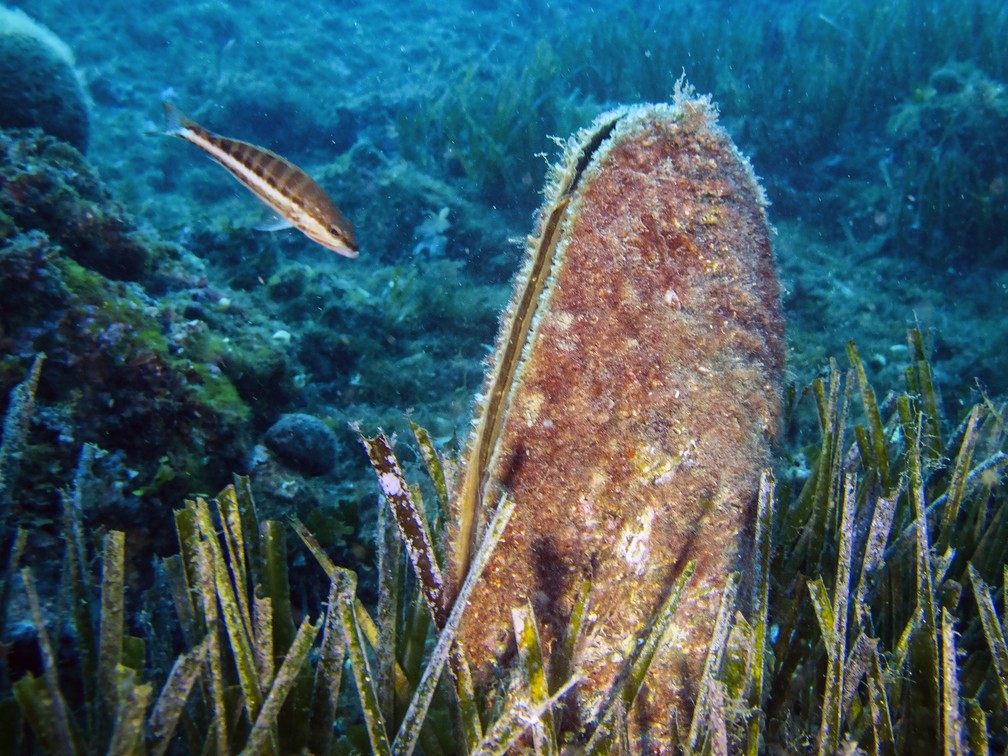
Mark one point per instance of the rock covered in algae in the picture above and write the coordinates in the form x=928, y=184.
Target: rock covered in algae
x=630, y=405
x=304, y=442
x=40, y=86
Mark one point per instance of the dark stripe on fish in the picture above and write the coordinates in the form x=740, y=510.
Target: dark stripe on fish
x=285, y=188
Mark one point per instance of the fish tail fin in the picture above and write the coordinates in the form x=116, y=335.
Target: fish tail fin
x=176, y=120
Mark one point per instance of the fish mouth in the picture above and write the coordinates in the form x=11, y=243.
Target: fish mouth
x=338, y=246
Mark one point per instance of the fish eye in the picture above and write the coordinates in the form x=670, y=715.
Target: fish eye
x=336, y=231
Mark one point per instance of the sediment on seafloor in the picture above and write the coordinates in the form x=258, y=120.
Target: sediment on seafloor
x=630, y=406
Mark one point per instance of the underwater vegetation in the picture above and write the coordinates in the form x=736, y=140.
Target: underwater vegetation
x=841, y=97
x=871, y=612
x=489, y=129
x=873, y=616
x=950, y=163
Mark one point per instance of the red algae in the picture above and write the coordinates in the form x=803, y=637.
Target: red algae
x=631, y=415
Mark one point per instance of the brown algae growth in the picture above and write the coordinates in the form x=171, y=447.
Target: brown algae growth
x=629, y=408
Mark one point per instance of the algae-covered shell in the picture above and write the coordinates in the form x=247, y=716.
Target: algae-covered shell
x=630, y=404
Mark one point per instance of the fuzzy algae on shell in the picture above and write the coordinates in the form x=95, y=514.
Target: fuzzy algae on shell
x=629, y=407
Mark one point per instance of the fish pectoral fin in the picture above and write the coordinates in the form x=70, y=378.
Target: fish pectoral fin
x=276, y=223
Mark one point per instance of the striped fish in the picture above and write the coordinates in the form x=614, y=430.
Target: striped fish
x=290, y=192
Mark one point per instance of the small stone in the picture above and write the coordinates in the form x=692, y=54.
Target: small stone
x=303, y=442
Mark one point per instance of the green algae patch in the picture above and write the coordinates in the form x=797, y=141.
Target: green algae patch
x=218, y=393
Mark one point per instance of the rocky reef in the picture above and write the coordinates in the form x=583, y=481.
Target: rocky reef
x=132, y=364
x=41, y=88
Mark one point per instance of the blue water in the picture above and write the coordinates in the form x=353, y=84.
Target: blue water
x=879, y=131
x=180, y=340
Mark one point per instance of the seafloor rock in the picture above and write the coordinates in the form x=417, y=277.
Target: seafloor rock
x=48, y=186
x=40, y=86
x=630, y=407
x=134, y=370
x=304, y=442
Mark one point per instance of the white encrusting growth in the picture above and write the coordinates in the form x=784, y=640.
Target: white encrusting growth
x=633, y=542
x=390, y=484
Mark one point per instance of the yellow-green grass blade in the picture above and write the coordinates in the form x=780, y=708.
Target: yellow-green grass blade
x=276, y=585
x=976, y=728
x=828, y=472
x=199, y=572
x=250, y=528
x=165, y=715
x=133, y=699
x=238, y=632
x=952, y=722
x=264, y=730
x=881, y=716
x=346, y=588
x=931, y=433
x=234, y=542
x=534, y=668
x=878, y=458
x=111, y=634
x=993, y=631
x=434, y=467
x=328, y=676
x=831, y=722
x=46, y=716
x=823, y=613
x=957, y=486
x=574, y=626
x=472, y=726
x=760, y=604
x=923, y=731
x=875, y=547
x=262, y=622
x=42, y=701
x=184, y=571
